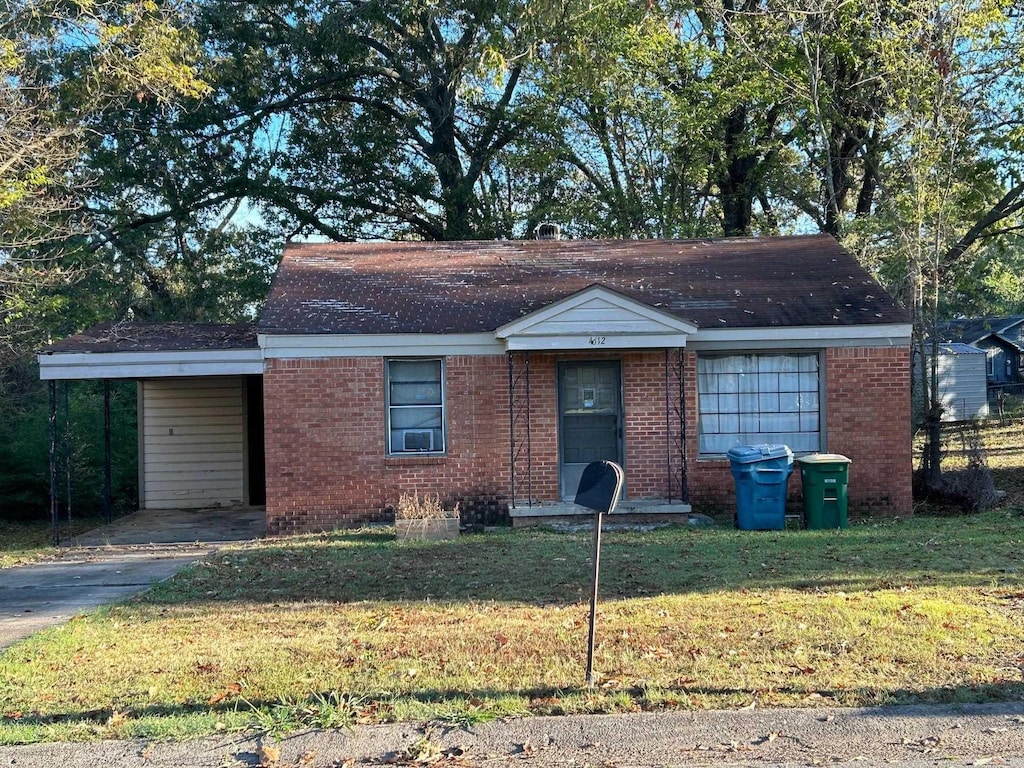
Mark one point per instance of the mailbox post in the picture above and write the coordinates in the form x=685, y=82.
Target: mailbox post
x=599, y=490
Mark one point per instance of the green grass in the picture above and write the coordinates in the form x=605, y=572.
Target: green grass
x=352, y=627
x=30, y=541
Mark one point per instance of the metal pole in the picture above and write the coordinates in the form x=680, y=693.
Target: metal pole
x=511, y=430
x=107, y=506
x=684, y=483
x=668, y=429
x=593, y=599
x=53, y=463
x=529, y=435
x=67, y=447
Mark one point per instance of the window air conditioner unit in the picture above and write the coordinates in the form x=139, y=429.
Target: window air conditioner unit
x=417, y=439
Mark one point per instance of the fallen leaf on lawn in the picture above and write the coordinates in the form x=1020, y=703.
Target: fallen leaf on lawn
x=268, y=754
x=410, y=673
x=116, y=718
x=501, y=640
x=14, y=715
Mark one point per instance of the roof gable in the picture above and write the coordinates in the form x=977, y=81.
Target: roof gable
x=596, y=316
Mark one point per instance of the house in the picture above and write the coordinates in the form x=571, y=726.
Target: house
x=1002, y=339
x=493, y=372
x=962, y=385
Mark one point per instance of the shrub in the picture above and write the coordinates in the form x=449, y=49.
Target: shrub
x=412, y=507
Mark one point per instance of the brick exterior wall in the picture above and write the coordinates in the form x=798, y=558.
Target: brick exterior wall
x=327, y=464
x=867, y=408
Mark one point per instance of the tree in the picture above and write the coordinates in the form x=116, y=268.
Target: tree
x=62, y=64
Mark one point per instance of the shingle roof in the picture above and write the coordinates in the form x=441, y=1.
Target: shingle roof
x=465, y=287
x=956, y=348
x=158, y=337
x=974, y=329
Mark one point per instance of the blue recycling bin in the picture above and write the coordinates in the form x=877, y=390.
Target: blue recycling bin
x=761, y=473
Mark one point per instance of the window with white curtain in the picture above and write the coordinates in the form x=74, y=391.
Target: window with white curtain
x=415, y=394
x=759, y=398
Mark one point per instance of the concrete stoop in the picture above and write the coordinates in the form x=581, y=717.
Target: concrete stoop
x=645, y=511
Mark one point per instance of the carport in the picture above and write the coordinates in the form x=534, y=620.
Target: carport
x=200, y=409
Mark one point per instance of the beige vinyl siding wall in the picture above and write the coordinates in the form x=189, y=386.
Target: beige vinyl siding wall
x=192, y=442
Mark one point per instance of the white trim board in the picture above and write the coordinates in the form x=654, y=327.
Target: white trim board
x=320, y=345
x=149, y=365
x=437, y=344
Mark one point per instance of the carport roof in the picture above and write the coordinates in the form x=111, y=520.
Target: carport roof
x=157, y=337
x=157, y=350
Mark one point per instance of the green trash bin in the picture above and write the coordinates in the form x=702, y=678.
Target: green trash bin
x=824, y=477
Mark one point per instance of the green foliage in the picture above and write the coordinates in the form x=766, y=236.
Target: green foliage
x=25, y=449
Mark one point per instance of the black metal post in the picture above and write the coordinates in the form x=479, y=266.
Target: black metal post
x=668, y=429
x=53, y=463
x=529, y=436
x=511, y=430
x=593, y=598
x=684, y=484
x=107, y=506
x=67, y=447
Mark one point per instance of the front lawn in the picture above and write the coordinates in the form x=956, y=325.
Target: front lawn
x=30, y=541
x=352, y=627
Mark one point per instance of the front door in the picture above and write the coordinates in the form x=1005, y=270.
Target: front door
x=590, y=419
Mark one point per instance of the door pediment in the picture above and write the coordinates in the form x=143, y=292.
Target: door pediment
x=596, y=318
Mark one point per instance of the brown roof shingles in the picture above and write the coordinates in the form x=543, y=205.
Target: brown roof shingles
x=465, y=287
x=158, y=337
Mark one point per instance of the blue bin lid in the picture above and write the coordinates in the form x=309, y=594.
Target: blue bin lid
x=747, y=454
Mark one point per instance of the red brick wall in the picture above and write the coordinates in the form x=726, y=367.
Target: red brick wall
x=327, y=462
x=867, y=408
x=868, y=401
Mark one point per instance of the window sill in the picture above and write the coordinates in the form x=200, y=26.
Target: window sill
x=415, y=460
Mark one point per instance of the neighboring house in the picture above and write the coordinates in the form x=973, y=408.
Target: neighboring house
x=1002, y=339
x=493, y=372
x=963, y=390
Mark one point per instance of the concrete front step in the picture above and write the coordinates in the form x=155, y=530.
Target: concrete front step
x=648, y=511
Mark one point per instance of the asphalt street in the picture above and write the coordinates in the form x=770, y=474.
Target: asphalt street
x=917, y=736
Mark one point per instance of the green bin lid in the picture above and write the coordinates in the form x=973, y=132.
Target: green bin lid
x=824, y=458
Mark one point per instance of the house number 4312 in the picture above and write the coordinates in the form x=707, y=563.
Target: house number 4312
x=597, y=341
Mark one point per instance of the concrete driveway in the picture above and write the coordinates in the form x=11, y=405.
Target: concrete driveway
x=115, y=561
x=41, y=595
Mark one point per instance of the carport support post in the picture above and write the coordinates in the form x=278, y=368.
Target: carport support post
x=593, y=598
x=67, y=447
x=53, y=463
x=106, y=451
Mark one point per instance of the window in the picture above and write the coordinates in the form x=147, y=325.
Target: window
x=767, y=398
x=415, y=393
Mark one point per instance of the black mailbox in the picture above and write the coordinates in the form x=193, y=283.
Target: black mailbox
x=600, y=486
x=599, y=490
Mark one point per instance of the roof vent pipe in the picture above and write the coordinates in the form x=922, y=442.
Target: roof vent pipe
x=548, y=231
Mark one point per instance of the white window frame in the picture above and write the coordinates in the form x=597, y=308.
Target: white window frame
x=388, y=408
x=704, y=397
